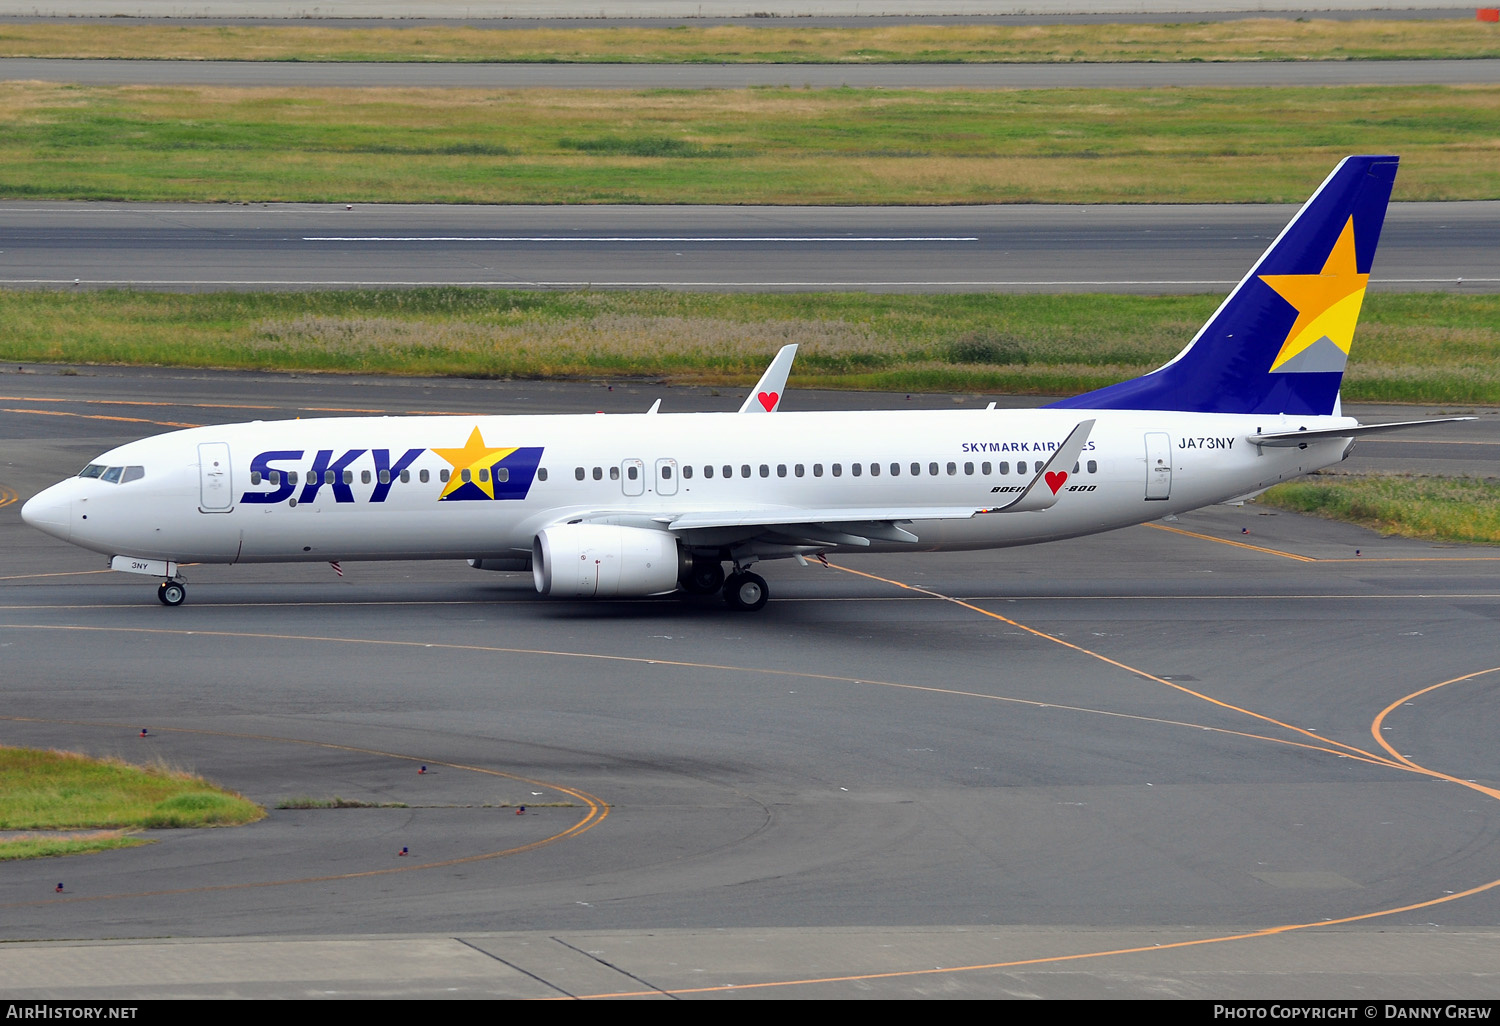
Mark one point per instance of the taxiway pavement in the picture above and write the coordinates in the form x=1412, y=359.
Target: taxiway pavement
x=1129, y=748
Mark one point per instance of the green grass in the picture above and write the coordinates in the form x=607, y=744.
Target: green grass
x=65, y=791
x=1419, y=348
x=772, y=41
x=1448, y=509
x=35, y=846
x=309, y=802
x=772, y=145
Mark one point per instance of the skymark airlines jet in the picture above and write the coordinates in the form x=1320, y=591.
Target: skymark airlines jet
x=613, y=506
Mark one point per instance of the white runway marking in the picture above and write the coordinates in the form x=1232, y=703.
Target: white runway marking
x=640, y=238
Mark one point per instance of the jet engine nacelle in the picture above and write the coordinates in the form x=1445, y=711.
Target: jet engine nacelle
x=604, y=561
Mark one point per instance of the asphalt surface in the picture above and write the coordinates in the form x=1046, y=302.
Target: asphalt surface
x=633, y=10
x=862, y=791
x=1149, y=249
x=290, y=75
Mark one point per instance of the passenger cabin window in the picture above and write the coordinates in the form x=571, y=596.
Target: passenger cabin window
x=614, y=473
x=855, y=468
x=541, y=475
x=502, y=474
x=708, y=470
x=364, y=477
x=687, y=472
x=895, y=470
x=255, y=477
x=765, y=471
x=443, y=474
x=578, y=473
x=837, y=470
x=598, y=473
x=1093, y=466
x=422, y=477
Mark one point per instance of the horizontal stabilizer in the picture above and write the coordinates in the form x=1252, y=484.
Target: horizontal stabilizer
x=1287, y=439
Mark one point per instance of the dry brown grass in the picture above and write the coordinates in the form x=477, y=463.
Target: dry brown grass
x=771, y=42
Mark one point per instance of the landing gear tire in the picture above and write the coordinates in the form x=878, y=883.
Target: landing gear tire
x=170, y=593
x=745, y=591
x=704, y=578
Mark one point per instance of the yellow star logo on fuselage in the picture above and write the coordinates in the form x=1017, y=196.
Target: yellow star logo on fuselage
x=1327, y=302
x=474, y=457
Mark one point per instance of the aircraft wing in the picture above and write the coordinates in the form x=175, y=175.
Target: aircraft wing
x=765, y=397
x=857, y=526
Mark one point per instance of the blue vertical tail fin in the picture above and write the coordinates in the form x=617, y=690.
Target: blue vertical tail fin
x=1279, y=343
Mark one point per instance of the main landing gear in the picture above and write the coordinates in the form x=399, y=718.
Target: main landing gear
x=745, y=591
x=171, y=593
x=742, y=590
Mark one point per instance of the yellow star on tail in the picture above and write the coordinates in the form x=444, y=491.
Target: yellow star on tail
x=473, y=457
x=1327, y=302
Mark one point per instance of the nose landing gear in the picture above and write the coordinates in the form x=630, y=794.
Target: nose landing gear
x=171, y=593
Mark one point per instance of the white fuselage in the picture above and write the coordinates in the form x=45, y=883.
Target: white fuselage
x=644, y=470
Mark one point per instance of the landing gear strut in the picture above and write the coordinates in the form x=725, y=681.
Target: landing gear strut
x=171, y=593
x=745, y=592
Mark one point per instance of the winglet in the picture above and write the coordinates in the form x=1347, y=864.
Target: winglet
x=1053, y=475
x=765, y=397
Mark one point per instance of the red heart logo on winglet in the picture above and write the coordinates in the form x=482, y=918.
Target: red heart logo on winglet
x=1057, y=480
x=769, y=400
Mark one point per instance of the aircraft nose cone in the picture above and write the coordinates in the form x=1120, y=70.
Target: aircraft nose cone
x=49, y=511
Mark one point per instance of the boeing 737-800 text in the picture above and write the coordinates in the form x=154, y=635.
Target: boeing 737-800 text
x=648, y=504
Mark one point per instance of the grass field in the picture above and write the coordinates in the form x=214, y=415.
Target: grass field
x=774, y=42
x=1426, y=348
x=97, y=799
x=772, y=145
x=1449, y=509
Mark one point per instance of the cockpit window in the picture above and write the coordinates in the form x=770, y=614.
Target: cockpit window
x=113, y=475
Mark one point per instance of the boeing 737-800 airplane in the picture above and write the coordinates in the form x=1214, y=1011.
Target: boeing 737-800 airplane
x=616, y=506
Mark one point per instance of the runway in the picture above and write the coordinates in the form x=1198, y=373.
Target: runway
x=295, y=75
x=999, y=248
x=1180, y=760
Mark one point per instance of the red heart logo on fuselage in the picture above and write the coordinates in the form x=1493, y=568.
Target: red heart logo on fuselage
x=1057, y=480
x=769, y=400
